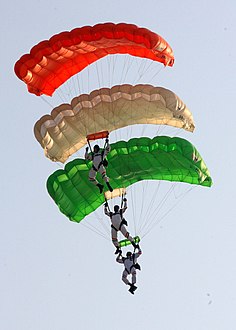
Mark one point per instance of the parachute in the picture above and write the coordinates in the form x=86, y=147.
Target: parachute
x=51, y=62
x=94, y=115
x=160, y=158
x=64, y=131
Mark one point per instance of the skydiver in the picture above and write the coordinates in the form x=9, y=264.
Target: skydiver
x=130, y=263
x=118, y=223
x=97, y=157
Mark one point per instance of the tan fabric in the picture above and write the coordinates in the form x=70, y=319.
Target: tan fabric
x=64, y=131
x=115, y=193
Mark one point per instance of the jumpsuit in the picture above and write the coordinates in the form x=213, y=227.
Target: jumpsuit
x=129, y=264
x=97, y=159
x=118, y=224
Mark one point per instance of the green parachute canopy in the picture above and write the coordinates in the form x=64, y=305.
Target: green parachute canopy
x=160, y=158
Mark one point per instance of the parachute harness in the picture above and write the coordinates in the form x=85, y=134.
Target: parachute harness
x=103, y=162
x=123, y=221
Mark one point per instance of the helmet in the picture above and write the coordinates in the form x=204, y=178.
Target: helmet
x=96, y=148
x=116, y=208
x=128, y=254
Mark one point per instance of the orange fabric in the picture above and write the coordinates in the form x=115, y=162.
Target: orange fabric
x=51, y=62
x=96, y=136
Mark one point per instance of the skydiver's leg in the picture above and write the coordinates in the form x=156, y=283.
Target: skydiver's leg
x=124, y=277
x=133, y=272
x=132, y=285
x=126, y=234
x=114, y=238
x=102, y=170
x=92, y=178
x=103, y=173
x=127, y=282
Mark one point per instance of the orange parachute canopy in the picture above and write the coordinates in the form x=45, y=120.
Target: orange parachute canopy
x=51, y=62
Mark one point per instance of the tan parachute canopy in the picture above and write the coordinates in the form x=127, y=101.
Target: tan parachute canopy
x=64, y=131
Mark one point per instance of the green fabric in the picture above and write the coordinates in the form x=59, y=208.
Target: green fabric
x=160, y=158
x=126, y=242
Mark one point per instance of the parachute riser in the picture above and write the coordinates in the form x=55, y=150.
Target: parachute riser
x=89, y=146
x=107, y=204
x=98, y=135
x=122, y=201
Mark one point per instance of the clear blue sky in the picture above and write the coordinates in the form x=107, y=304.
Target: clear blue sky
x=57, y=275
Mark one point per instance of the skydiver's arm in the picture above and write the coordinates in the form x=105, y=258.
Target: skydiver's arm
x=124, y=208
x=107, y=149
x=138, y=254
x=87, y=155
x=106, y=211
x=120, y=259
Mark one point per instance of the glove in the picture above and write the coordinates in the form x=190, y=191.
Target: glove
x=125, y=199
x=107, y=140
x=106, y=204
x=86, y=149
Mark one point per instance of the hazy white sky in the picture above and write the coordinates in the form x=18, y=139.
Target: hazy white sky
x=59, y=275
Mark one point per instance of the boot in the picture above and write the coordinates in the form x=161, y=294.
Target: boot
x=136, y=246
x=137, y=266
x=132, y=288
x=118, y=250
x=100, y=187
x=109, y=187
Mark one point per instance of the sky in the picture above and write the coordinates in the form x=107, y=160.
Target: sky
x=55, y=274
